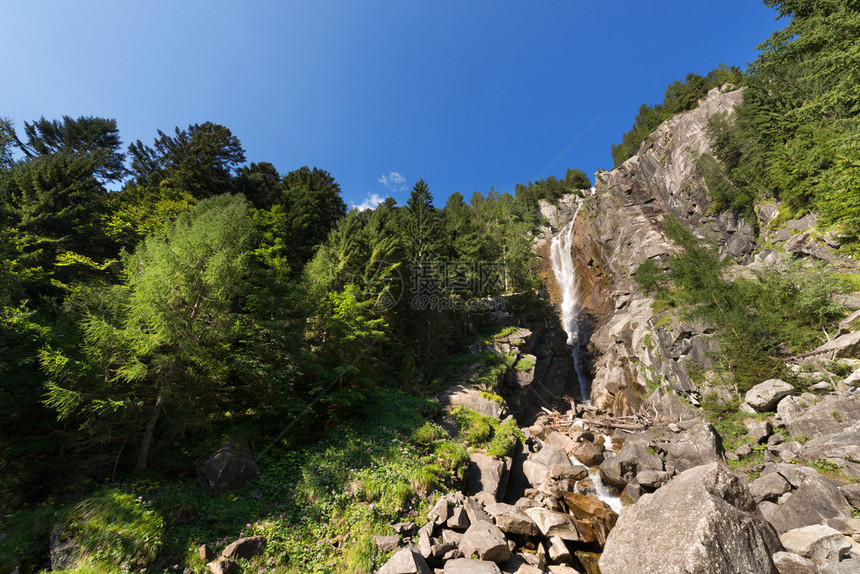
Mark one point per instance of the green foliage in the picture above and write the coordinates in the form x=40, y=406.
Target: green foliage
x=165, y=341
x=680, y=96
x=117, y=528
x=487, y=433
x=795, y=135
x=789, y=304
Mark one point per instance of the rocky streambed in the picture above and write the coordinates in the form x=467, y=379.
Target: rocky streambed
x=679, y=507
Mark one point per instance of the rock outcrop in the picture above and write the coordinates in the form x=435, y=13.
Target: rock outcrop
x=705, y=520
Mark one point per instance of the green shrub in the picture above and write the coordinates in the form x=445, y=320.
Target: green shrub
x=427, y=433
x=117, y=528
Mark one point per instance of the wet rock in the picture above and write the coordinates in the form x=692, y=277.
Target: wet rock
x=818, y=542
x=632, y=459
x=588, y=453
x=705, y=520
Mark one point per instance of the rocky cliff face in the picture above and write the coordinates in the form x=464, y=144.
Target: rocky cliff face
x=620, y=227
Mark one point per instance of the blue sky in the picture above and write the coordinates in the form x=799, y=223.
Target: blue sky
x=468, y=95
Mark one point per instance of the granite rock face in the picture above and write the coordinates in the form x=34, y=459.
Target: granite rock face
x=705, y=520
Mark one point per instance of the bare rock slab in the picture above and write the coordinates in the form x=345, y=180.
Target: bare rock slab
x=705, y=520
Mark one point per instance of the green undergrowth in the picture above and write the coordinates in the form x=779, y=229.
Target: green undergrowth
x=318, y=506
x=487, y=434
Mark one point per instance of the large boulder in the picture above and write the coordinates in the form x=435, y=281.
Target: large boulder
x=844, y=346
x=765, y=396
x=705, y=520
x=228, y=468
x=817, y=500
x=552, y=523
x=469, y=566
x=511, y=519
x=790, y=563
x=699, y=445
x=486, y=542
x=487, y=477
x=247, y=547
x=538, y=466
x=470, y=398
x=634, y=457
x=406, y=561
x=818, y=542
x=832, y=415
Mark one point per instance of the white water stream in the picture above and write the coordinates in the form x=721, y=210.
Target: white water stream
x=565, y=275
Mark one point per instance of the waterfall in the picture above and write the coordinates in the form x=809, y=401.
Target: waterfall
x=565, y=276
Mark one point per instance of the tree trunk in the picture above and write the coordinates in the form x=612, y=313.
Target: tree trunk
x=146, y=441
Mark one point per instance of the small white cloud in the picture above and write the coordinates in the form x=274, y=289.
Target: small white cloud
x=370, y=202
x=393, y=181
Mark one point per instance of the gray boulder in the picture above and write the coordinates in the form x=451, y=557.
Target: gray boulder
x=818, y=542
x=789, y=563
x=705, y=520
x=485, y=541
x=64, y=551
x=816, y=501
x=222, y=566
x=487, y=476
x=633, y=458
x=470, y=398
x=844, y=346
x=228, y=468
x=537, y=466
x=769, y=487
x=845, y=567
x=247, y=547
x=764, y=396
x=511, y=519
x=469, y=566
x=699, y=445
x=552, y=523
x=386, y=543
x=830, y=416
x=406, y=561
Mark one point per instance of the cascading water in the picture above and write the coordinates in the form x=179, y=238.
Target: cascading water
x=565, y=276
